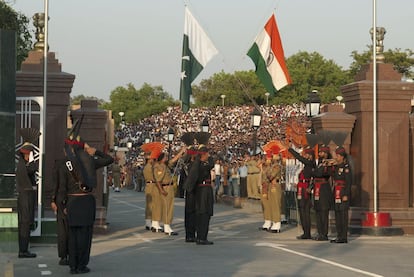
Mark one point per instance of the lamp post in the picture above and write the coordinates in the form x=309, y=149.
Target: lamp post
x=222, y=99
x=255, y=119
x=147, y=138
x=267, y=98
x=170, y=138
x=121, y=114
x=313, y=104
x=129, y=145
x=204, y=126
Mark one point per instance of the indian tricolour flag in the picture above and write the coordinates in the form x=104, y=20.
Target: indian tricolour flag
x=267, y=54
x=197, y=52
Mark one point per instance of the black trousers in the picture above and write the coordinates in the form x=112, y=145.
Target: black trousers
x=25, y=212
x=62, y=235
x=304, y=213
x=243, y=187
x=189, y=215
x=80, y=241
x=341, y=223
x=322, y=222
x=202, y=225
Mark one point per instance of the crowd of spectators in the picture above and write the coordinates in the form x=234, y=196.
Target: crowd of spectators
x=230, y=128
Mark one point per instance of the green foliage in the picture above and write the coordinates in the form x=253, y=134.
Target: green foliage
x=403, y=61
x=138, y=104
x=311, y=71
x=12, y=20
x=308, y=71
x=76, y=100
x=237, y=88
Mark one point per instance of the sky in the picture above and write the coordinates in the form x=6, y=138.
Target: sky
x=110, y=43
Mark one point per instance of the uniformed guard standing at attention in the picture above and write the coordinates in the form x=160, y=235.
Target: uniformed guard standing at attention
x=25, y=186
x=267, y=177
x=342, y=179
x=199, y=181
x=275, y=194
x=61, y=219
x=164, y=181
x=152, y=151
x=304, y=188
x=253, y=178
x=189, y=193
x=322, y=192
x=77, y=179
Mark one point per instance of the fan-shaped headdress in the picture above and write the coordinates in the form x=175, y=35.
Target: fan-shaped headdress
x=30, y=136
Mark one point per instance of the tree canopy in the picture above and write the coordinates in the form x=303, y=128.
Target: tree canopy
x=138, y=104
x=403, y=60
x=12, y=20
x=308, y=71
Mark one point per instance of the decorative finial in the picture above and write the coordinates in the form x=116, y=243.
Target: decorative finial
x=380, y=43
x=39, y=23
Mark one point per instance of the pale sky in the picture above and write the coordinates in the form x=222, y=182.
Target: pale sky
x=110, y=43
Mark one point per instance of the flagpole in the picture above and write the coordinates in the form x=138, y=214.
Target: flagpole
x=374, y=101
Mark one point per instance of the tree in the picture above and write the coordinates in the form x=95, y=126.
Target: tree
x=76, y=100
x=311, y=71
x=308, y=71
x=237, y=88
x=12, y=20
x=403, y=61
x=138, y=104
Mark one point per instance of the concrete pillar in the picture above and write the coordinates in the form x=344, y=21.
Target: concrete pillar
x=8, y=201
x=94, y=132
x=335, y=121
x=393, y=108
x=29, y=82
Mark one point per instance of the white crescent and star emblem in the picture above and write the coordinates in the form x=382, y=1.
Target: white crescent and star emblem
x=183, y=75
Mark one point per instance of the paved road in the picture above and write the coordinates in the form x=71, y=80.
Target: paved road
x=239, y=249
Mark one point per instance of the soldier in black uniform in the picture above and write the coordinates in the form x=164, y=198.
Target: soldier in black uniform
x=199, y=180
x=342, y=179
x=322, y=192
x=189, y=208
x=61, y=220
x=77, y=178
x=25, y=182
x=304, y=188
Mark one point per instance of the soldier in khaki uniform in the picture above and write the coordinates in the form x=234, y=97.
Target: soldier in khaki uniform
x=165, y=188
x=275, y=194
x=149, y=186
x=253, y=178
x=271, y=194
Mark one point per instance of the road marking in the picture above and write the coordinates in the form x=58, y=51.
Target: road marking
x=281, y=247
x=46, y=272
x=9, y=269
x=42, y=265
x=128, y=204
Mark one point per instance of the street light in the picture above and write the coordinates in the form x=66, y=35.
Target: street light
x=147, y=138
x=129, y=144
x=256, y=118
x=121, y=114
x=267, y=98
x=204, y=126
x=313, y=104
x=170, y=138
x=222, y=99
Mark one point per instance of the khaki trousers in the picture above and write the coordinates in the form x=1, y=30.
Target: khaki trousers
x=168, y=204
x=148, y=200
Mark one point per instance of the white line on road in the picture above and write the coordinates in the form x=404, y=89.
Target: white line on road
x=280, y=247
x=128, y=204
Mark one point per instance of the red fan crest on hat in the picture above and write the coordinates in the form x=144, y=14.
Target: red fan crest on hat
x=155, y=148
x=275, y=147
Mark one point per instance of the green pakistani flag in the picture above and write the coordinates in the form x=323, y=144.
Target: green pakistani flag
x=197, y=52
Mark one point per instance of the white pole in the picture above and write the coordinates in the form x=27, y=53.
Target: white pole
x=374, y=102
